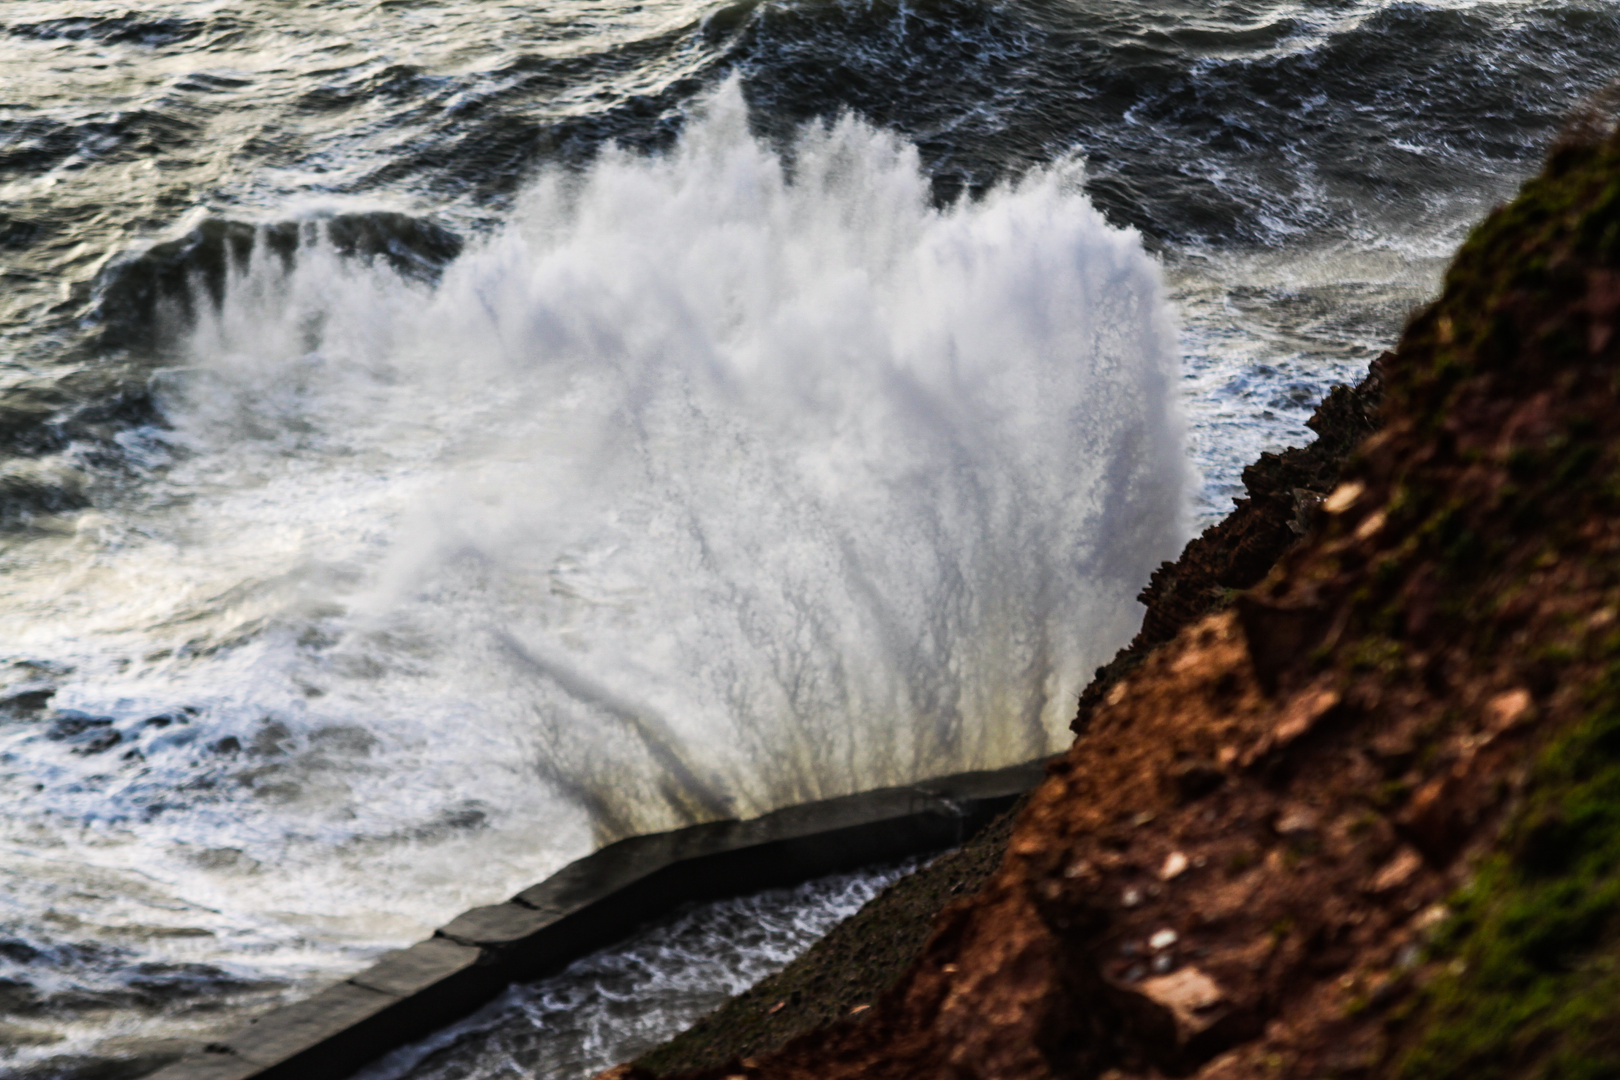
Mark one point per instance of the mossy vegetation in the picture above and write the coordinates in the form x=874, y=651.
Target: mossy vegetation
x=1533, y=984
x=1531, y=256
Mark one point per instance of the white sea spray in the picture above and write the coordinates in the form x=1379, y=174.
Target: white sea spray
x=715, y=481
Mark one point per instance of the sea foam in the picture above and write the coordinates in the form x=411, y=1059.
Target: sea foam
x=715, y=481
x=746, y=482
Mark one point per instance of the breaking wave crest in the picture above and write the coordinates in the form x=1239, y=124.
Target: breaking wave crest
x=714, y=481
x=732, y=483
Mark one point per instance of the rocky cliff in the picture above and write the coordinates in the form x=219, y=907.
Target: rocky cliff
x=1361, y=817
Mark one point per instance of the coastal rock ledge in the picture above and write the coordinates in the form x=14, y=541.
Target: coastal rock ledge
x=1361, y=818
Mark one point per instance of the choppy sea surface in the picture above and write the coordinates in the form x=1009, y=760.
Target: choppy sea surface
x=614, y=1005
x=438, y=437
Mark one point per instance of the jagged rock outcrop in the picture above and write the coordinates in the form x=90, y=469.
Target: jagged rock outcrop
x=1364, y=821
x=1284, y=491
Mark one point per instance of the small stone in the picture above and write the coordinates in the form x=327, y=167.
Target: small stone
x=1163, y=963
x=1189, y=989
x=1506, y=710
x=1397, y=872
x=1163, y=939
x=1296, y=821
x=1344, y=497
x=1372, y=526
x=1174, y=866
x=1303, y=713
x=1189, y=996
x=1430, y=917
x=951, y=969
x=1131, y=898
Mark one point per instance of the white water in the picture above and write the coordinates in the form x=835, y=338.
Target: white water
x=614, y=1005
x=706, y=486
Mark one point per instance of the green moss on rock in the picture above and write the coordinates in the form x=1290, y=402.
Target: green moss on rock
x=1533, y=984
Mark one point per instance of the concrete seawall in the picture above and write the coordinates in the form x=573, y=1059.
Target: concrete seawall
x=589, y=904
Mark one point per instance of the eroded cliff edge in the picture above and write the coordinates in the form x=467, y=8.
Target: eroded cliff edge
x=1364, y=820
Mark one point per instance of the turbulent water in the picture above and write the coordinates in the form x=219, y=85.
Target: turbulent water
x=437, y=436
x=619, y=1003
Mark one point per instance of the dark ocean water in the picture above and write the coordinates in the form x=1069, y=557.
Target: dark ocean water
x=437, y=437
